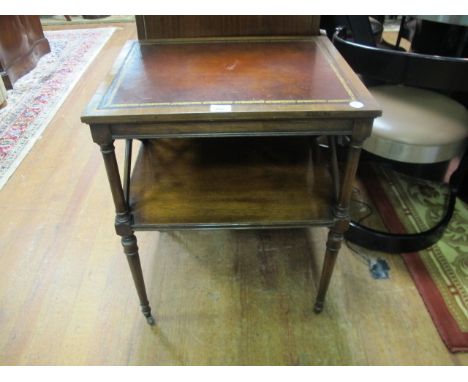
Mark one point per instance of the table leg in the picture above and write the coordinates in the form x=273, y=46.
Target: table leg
x=127, y=170
x=334, y=166
x=123, y=227
x=129, y=244
x=341, y=215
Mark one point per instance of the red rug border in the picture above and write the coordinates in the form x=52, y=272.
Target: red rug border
x=453, y=337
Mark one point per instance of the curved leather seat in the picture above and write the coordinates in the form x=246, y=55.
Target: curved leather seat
x=417, y=125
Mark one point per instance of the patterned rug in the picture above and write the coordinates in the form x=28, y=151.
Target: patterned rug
x=408, y=204
x=38, y=95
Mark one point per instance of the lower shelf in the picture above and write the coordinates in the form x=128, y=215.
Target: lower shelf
x=229, y=183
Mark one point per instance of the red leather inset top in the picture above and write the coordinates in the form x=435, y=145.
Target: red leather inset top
x=234, y=72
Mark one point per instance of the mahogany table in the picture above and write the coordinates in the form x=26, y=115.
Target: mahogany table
x=228, y=127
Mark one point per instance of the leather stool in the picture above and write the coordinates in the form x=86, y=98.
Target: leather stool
x=417, y=125
x=420, y=128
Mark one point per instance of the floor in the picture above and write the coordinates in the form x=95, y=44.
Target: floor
x=220, y=298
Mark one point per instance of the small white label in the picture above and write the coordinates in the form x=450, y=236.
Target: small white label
x=356, y=104
x=220, y=108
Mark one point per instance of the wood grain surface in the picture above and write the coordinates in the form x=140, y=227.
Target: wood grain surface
x=230, y=183
x=22, y=44
x=153, y=26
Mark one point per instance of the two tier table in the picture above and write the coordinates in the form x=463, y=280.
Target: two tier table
x=229, y=131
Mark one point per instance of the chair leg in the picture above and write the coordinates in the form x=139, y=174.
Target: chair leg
x=129, y=244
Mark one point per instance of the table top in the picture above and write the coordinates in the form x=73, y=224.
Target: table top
x=229, y=78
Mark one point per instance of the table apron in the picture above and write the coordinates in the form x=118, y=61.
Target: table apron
x=231, y=128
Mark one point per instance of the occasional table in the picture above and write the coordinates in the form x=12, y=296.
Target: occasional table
x=229, y=128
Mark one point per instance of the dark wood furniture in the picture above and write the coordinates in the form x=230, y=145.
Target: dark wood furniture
x=154, y=27
x=22, y=44
x=228, y=128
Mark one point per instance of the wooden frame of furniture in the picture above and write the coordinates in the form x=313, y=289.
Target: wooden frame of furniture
x=228, y=128
x=155, y=27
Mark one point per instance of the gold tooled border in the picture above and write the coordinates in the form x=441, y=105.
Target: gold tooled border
x=109, y=96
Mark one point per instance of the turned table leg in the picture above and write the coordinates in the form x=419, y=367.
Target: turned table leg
x=129, y=244
x=123, y=226
x=341, y=212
